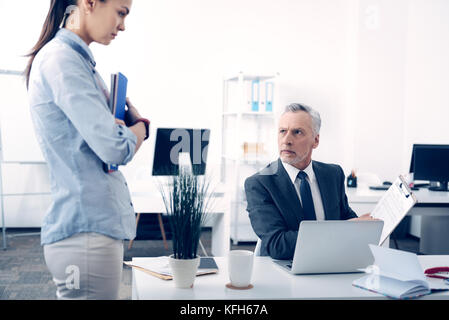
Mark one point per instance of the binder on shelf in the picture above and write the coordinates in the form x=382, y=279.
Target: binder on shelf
x=255, y=95
x=262, y=96
x=248, y=93
x=117, y=105
x=269, y=92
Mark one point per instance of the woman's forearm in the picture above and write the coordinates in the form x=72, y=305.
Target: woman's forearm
x=140, y=131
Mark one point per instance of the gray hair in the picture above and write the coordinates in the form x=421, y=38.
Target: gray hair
x=316, y=119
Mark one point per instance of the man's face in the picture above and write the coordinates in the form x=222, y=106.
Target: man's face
x=296, y=139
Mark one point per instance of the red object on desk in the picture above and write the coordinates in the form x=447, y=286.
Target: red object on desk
x=431, y=272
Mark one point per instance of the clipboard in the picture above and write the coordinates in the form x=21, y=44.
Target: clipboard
x=394, y=206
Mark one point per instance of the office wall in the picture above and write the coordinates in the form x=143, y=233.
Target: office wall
x=21, y=24
x=401, y=80
x=427, y=75
x=379, y=94
x=178, y=52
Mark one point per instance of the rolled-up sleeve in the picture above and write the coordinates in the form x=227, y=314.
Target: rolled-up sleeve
x=74, y=91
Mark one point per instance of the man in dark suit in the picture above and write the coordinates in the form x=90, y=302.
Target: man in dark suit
x=295, y=188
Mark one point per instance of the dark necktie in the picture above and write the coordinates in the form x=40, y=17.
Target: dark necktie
x=306, y=197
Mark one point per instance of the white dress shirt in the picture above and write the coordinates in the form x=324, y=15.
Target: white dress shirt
x=314, y=188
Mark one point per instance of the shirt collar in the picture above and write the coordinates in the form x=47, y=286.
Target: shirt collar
x=293, y=172
x=65, y=34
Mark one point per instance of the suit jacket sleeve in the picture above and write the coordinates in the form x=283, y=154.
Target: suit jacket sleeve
x=278, y=240
x=345, y=210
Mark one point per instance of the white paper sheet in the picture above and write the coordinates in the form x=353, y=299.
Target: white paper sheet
x=393, y=206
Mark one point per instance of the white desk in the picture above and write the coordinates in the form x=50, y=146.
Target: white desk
x=270, y=282
x=363, y=200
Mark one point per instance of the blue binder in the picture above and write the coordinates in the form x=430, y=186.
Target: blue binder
x=119, y=84
x=269, y=88
x=255, y=96
x=117, y=105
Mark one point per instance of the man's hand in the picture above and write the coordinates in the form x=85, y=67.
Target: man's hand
x=365, y=217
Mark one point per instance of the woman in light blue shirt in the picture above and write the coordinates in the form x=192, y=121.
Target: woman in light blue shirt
x=91, y=213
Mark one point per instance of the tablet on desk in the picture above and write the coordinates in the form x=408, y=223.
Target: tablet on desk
x=207, y=263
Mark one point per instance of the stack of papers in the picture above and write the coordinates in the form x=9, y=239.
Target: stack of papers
x=395, y=274
x=159, y=266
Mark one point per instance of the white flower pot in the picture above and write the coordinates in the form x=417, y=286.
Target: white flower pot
x=184, y=271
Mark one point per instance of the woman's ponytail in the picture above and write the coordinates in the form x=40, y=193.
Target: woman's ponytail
x=55, y=16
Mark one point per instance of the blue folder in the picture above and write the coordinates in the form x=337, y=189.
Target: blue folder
x=119, y=84
x=117, y=105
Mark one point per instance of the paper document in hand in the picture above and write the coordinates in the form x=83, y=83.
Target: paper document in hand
x=396, y=274
x=393, y=206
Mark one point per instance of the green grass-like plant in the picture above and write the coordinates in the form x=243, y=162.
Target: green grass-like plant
x=186, y=202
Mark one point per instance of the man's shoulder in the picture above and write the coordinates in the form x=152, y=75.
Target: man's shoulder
x=266, y=173
x=326, y=166
x=329, y=167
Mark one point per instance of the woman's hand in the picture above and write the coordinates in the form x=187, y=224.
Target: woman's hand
x=138, y=129
x=118, y=121
x=132, y=114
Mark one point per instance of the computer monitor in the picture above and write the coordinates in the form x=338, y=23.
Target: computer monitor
x=431, y=162
x=171, y=141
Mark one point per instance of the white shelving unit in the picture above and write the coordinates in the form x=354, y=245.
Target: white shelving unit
x=248, y=143
x=24, y=178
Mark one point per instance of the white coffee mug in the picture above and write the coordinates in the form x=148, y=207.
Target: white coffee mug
x=240, y=267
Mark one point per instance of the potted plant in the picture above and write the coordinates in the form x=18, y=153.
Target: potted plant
x=186, y=202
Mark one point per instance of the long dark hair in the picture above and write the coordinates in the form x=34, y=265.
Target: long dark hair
x=49, y=30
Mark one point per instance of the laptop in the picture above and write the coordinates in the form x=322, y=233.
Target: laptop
x=333, y=247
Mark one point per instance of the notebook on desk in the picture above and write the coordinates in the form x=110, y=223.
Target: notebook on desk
x=397, y=274
x=333, y=247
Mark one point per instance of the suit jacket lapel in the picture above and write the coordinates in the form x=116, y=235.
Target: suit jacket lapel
x=324, y=187
x=287, y=192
